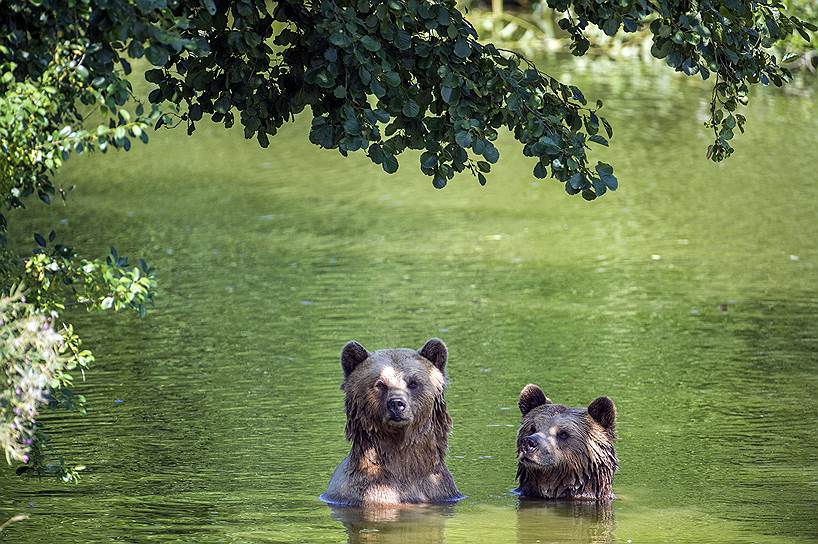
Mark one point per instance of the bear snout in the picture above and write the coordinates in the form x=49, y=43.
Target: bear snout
x=534, y=450
x=529, y=444
x=396, y=405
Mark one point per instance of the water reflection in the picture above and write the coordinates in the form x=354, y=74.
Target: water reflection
x=536, y=522
x=564, y=521
x=421, y=524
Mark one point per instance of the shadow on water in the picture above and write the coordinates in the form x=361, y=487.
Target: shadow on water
x=407, y=524
x=564, y=521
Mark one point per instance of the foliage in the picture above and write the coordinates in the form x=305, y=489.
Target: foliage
x=385, y=76
x=37, y=355
x=37, y=360
x=378, y=76
x=41, y=121
x=729, y=39
x=807, y=10
x=47, y=98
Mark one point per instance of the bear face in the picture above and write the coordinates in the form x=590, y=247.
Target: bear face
x=398, y=425
x=394, y=389
x=565, y=453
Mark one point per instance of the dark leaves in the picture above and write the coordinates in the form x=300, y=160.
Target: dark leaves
x=384, y=77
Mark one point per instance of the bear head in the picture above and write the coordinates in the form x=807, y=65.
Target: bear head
x=394, y=391
x=565, y=452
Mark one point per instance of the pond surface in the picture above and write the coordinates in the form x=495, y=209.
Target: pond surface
x=689, y=296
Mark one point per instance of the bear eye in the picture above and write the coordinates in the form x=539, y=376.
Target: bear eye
x=380, y=385
x=562, y=435
x=412, y=384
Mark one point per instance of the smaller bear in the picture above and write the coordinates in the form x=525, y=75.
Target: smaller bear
x=565, y=453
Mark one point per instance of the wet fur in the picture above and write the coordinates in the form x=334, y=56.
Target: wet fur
x=585, y=464
x=388, y=465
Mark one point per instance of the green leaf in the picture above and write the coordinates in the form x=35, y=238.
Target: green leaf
x=411, y=108
x=608, y=128
x=352, y=126
x=403, y=40
x=376, y=153
x=599, y=186
x=463, y=139
x=462, y=48
x=340, y=38
x=155, y=75
x=390, y=164
x=195, y=112
x=491, y=153
x=371, y=43
x=610, y=27
x=381, y=115
x=392, y=79
x=263, y=141
x=428, y=160
x=156, y=55
x=604, y=168
x=222, y=105
x=376, y=88
x=605, y=172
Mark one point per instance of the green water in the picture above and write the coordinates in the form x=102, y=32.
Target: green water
x=689, y=297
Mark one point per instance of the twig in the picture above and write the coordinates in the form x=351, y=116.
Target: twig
x=13, y=519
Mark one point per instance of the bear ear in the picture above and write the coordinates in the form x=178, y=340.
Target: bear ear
x=603, y=411
x=352, y=355
x=436, y=352
x=530, y=397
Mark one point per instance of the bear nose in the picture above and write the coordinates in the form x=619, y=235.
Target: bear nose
x=529, y=444
x=396, y=405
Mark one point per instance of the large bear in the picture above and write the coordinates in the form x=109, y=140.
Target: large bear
x=398, y=425
x=565, y=453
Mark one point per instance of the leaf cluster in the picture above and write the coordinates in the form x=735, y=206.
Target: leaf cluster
x=729, y=39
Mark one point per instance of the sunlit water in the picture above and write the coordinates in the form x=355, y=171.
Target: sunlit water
x=688, y=296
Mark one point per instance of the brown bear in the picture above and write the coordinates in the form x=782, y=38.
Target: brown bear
x=565, y=453
x=398, y=425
